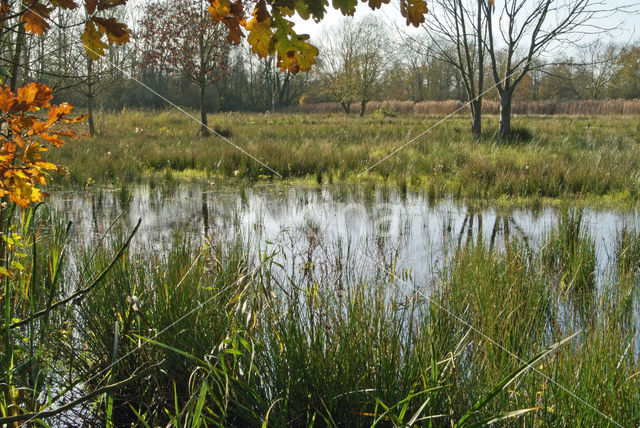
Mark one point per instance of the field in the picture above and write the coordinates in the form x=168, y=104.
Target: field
x=213, y=329
x=593, y=159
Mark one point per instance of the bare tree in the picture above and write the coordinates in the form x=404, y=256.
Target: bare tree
x=353, y=61
x=455, y=34
x=372, y=46
x=596, y=69
x=523, y=30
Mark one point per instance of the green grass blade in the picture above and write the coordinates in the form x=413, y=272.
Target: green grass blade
x=509, y=379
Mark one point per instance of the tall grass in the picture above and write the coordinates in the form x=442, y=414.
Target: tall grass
x=589, y=157
x=219, y=333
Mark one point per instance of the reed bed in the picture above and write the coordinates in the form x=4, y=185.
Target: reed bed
x=217, y=334
x=438, y=108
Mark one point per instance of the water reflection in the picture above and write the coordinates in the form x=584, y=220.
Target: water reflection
x=318, y=231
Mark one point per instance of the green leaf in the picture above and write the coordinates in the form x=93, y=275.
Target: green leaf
x=4, y=74
x=347, y=7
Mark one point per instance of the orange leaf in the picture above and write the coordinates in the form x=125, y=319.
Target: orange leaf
x=77, y=119
x=231, y=15
x=52, y=139
x=7, y=99
x=34, y=96
x=35, y=19
x=56, y=112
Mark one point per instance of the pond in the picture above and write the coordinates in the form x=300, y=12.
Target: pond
x=319, y=230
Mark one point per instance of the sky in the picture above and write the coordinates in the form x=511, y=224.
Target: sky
x=626, y=26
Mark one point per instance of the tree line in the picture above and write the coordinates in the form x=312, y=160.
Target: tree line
x=466, y=50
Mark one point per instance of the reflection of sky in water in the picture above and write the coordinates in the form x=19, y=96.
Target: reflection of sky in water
x=340, y=223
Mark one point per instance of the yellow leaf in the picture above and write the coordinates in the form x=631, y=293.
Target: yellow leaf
x=260, y=36
x=93, y=41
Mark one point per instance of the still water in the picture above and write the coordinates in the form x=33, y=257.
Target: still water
x=324, y=227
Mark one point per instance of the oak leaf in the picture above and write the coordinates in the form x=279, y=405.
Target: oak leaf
x=294, y=53
x=347, y=7
x=92, y=39
x=376, y=4
x=90, y=6
x=35, y=18
x=116, y=32
x=64, y=4
x=34, y=96
x=260, y=36
x=414, y=11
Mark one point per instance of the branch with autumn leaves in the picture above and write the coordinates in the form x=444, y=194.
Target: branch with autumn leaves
x=29, y=126
x=265, y=23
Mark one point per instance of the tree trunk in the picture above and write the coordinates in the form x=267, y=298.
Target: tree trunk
x=204, y=129
x=13, y=82
x=363, y=107
x=505, y=114
x=346, y=107
x=92, y=125
x=476, y=118
x=90, y=96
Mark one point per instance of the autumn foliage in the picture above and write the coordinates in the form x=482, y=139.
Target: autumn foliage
x=99, y=31
x=271, y=33
x=29, y=126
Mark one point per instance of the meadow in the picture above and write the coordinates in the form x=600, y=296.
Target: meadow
x=109, y=327
x=550, y=158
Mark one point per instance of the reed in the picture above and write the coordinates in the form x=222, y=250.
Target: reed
x=220, y=333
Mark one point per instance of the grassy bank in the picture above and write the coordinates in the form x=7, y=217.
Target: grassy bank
x=549, y=158
x=220, y=334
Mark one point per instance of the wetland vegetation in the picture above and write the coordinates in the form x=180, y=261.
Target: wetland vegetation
x=229, y=317
x=585, y=159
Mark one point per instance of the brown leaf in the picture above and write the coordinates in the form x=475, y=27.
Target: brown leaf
x=90, y=6
x=414, y=11
x=64, y=4
x=35, y=19
x=116, y=32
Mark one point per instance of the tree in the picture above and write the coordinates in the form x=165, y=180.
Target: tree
x=529, y=29
x=353, y=61
x=597, y=66
x=456, y=34
x=625, y=83
x=271, y=34
x=338, y=68
x=372, y=47
x=178, y=37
